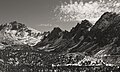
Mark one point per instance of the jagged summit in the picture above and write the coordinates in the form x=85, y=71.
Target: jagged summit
x=18, y=33
x=86, y=37
x=105, y=20
x=54, y=33
x=13, y=26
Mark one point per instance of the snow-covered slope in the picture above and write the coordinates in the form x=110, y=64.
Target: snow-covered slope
x=17, y=33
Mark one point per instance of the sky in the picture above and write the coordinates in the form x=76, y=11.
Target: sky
x=37, y=14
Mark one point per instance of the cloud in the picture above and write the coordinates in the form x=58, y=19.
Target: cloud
x=92, y=10
x=45, y=25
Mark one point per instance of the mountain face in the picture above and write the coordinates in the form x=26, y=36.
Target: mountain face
x=23, y=46
x=17, y=33
x=97, y=40
x=85, y=37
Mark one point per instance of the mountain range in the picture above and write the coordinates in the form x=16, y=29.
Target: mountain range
x=21, y=45
x=85, y=37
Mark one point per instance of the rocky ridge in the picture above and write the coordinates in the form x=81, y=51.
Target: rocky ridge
x=17, y=33
x=85, y=44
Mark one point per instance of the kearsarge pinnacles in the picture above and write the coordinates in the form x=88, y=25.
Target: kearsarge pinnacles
x=23, y=48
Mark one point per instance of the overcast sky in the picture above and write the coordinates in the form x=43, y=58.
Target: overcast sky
x=37, y=14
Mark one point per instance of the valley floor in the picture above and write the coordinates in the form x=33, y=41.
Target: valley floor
x=63, y=69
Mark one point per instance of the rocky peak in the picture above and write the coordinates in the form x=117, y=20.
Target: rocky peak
x=13, y=26
x=18, y=33
x=104, y=29
x=85, y=24
x=55, y=33
x=80, y=30
x=105, y=21
x=18, y=26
